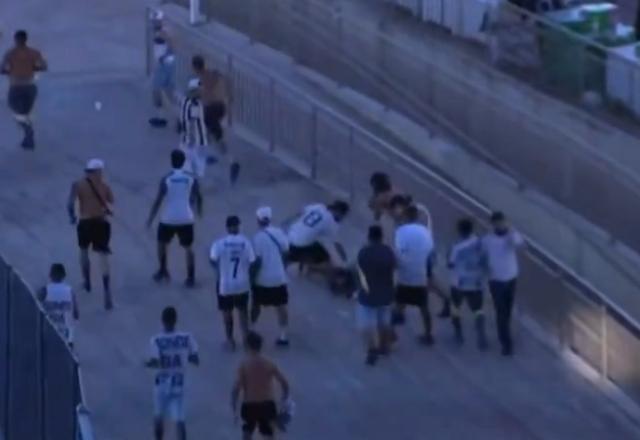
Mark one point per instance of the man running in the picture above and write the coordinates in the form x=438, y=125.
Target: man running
x=313, y=240
x=95, y=199
x=21, y=64
x=171, y=350
x=193, y=131
x=466, y=264
x=216, y=97
x=270, y=287
x=179, y=194
x=164, y=71
x=376, y=266
x=413, y=246
x=233, y=257
x=254, y=381
x=59, y=303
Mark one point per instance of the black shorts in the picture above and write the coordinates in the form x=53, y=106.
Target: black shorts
x=94, y=232
x=213, y=115
x=22, y=98
x=226, y=303
x=312, y=254
x=411, y=295
x=271, y=296
x=184, y=233
x=474, y=298
x=261, y=415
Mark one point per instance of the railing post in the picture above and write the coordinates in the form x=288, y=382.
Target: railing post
x=7, y=352
x=314, y=142
x=231, y=85
x=195, y=17
x=272, y=115
x=351, y=167
x=40, y=375
x=147, y=40
x=604, y=343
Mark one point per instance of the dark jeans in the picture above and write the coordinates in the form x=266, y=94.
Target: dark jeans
x=503, y=294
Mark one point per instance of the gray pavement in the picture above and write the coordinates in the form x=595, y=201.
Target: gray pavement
x=442, y=393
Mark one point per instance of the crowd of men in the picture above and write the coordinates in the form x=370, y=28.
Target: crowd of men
x=392, y=273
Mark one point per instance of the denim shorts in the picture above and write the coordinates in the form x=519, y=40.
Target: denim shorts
x=372, y=317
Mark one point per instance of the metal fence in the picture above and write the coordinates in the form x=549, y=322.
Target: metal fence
x=40, y=388
x=591, y=71
x=450, y=102
x=340, y=155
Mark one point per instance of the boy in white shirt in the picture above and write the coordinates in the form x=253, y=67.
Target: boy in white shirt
x=466, y=264
x=59, y=303
x=193, y=130
x=414, y=246
x=233, y=257
x=170, y=351
x=270, y=287
x=500, y=247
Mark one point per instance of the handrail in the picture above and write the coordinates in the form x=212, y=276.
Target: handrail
x=464, y=200
x=633, y=178
x=629, y=276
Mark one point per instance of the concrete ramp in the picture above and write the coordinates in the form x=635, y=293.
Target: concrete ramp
x=439, y=393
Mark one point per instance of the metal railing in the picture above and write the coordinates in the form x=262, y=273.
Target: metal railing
x=40, y=388
x=340, y=155
x=449, y=102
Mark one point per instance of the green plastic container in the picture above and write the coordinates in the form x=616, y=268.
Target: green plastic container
x=599, y=17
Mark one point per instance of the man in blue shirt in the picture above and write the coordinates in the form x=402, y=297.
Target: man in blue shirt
x=468, y=276
x=376, y=265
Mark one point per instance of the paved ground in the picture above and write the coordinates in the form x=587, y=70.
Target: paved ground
x=443, y=393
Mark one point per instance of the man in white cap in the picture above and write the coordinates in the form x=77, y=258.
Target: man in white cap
x=193, y=131
x=95, y=199
x=270, y=285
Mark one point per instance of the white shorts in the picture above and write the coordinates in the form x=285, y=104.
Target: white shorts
x=196, y=162
x=370, y=318
x=168, y=405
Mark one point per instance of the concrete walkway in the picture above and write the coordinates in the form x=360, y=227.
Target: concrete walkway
x=442, y=393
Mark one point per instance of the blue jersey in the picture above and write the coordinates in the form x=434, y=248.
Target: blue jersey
x=467, y=265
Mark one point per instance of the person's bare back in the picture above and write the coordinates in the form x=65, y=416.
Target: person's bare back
x=256, y=376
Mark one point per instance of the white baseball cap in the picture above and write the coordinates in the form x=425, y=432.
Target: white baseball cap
x=193, y=84
x=94, y=165
x=264, y=213
x=157, y=15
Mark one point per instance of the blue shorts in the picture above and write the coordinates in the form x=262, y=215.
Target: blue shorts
x=164, y=77
x=372, y=317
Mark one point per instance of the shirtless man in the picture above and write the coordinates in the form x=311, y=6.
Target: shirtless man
x=254, y=381
x=94, y=198
x=217, y=99
x=21, y=64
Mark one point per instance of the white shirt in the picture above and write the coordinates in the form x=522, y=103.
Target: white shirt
x=179, y=187
x=270, y=244
x=466, y=264
x=501, y=255
x=234, y=256
x=413, y=246
x=315, y=225
x=58, y=305
x=172, y=351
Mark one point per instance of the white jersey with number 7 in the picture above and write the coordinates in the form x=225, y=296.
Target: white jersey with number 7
x=234, y=256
